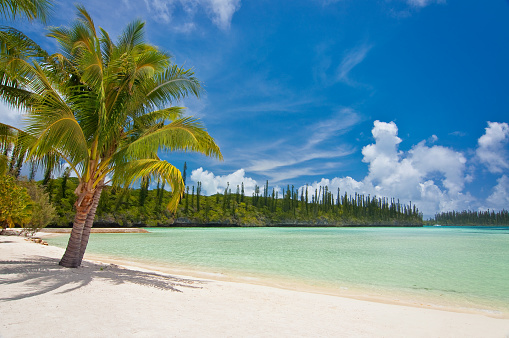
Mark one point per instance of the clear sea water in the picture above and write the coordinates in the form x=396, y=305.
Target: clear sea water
x=459, y=267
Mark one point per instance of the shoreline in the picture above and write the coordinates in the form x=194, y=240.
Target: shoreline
x=94, y=231
x=414, y=297
x=349, y=292
x=207, y=300
x=357, y=292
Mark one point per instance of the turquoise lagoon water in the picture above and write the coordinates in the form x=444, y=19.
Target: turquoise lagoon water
x=463, y=267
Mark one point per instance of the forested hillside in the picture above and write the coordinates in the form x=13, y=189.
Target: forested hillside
x=144, y=207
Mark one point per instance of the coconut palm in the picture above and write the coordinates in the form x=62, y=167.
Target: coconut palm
x=31, y=9
x=106, y=109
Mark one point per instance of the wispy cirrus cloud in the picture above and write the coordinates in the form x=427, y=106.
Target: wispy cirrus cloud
x=343, y=121
x=352, y=58
x=223, y=11
x=267, y=166
x=329, y=71
x=285, y=160
x=220, y=12
x=406, y=8
x=423, y=3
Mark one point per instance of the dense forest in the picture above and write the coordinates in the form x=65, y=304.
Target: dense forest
x=488, y=218
x=147, y=207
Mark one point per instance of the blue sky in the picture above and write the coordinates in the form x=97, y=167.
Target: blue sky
x=397, y=98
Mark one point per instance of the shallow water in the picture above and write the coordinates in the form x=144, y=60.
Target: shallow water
x=466, y=267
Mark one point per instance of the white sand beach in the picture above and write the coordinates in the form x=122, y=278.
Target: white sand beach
x=40, y=298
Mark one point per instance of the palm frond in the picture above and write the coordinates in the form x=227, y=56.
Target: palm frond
x=8, y=135
x=150, y=63
x=31, y=9
x=133, y=171
x=14, y=97
x=15, y=42
x=107, y=46
x=185, y=134
x=173, y=85
x=158, y=116
x=25, y=142
x=63, y=135
x=132, y=36
x=86, y=19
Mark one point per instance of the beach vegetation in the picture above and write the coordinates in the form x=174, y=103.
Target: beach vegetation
x=15, y=203
x=43, y=212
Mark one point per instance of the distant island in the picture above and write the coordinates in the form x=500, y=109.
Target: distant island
x=467, y=217
x=144, y=207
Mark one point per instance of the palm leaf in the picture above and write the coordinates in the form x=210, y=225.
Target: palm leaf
x=150, y=119
x=133, y=171
x=31, y=9
x=173, y=85
x=185, y=134
x=132, y=36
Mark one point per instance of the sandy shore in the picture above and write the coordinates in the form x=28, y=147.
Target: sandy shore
x=40, y=298
x=96, y=230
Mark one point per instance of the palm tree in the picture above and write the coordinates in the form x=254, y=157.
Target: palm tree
x=104, y=108
x=31, y=9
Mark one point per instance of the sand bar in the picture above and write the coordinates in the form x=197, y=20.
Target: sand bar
x=40, y=298
x=96, y=230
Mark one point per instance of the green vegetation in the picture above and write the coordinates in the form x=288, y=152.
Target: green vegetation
x=22, y=202
x=15, y=203
x=322, y=208
x=143, y=207
x=43, y=212
x=30, y=9
x=489, y=218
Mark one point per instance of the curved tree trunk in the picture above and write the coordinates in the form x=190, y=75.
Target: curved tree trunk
x=72, y=252
x=89, y=222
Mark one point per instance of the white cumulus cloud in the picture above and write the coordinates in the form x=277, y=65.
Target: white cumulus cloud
x=445, y=161
x=431, y=177
x=212, y=184
x=492, y=147
x=499, y=199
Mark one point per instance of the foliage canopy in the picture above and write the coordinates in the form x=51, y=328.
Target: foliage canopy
x=15, y=203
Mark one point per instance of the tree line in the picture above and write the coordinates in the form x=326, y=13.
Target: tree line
x=147, y=207
x=293, y=207
x=468, y=217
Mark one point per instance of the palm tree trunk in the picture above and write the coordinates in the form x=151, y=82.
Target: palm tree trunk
x=72, y=252
x=90, y=222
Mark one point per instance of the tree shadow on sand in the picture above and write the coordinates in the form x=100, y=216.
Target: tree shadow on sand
x=39, y=275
